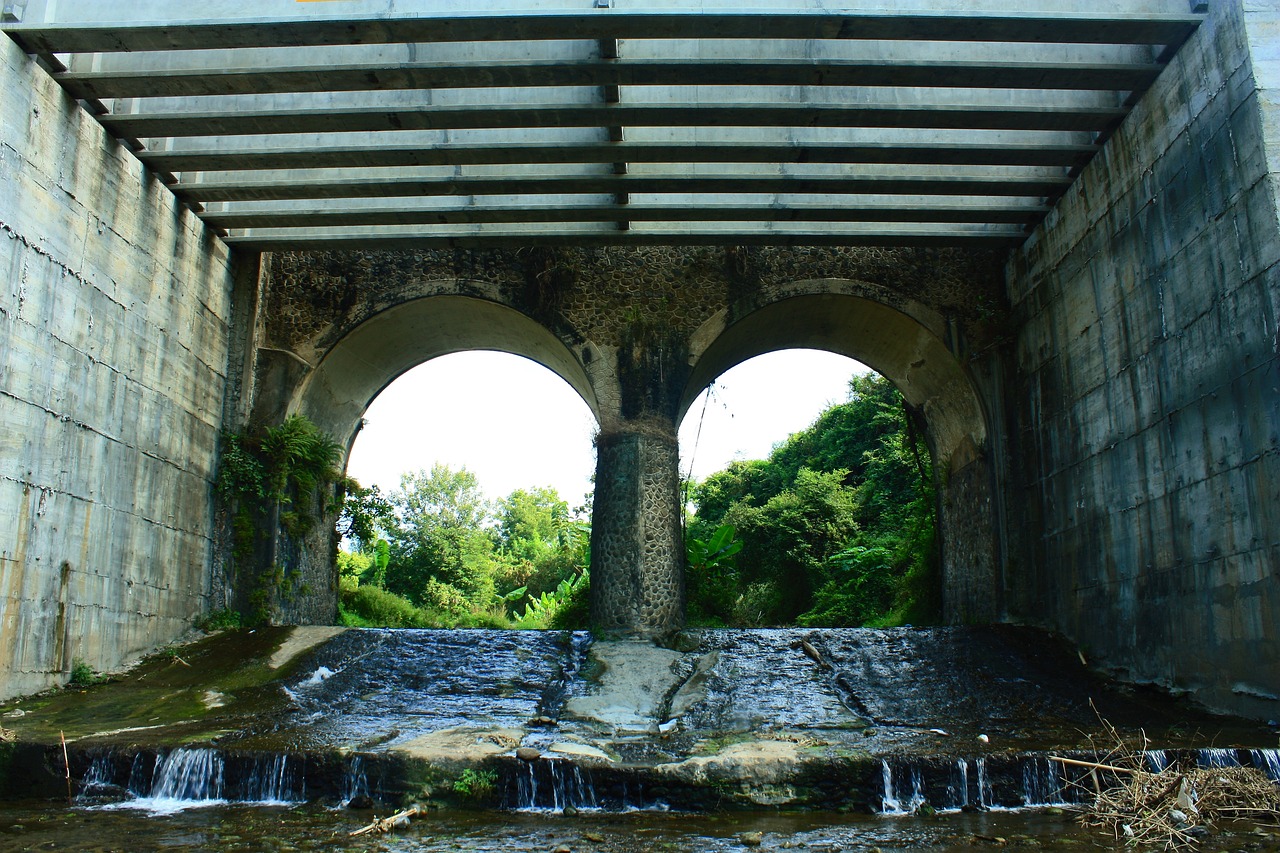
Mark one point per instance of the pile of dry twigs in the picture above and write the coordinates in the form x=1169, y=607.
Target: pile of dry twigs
x=1170, y=807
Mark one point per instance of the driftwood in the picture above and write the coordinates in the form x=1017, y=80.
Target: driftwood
x=386, y=824
x=1170, y=807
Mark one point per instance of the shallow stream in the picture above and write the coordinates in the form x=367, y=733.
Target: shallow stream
x=266, y=829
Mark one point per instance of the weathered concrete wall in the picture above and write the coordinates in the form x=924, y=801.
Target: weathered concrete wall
x=113, y=351
x=1149, y=384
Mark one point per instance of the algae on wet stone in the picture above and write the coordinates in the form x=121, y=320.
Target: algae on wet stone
x=168, y=697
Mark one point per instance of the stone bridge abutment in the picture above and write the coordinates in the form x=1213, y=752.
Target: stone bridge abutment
x=638, y=333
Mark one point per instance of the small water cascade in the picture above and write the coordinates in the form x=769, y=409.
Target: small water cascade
x=960, y=797
x=891, y=803
x=273, y=780
x=1268, y=761
x=1043, y=783
x=184, y=778
x=985, y=796
x=190, y=778
x=1217, y=757
x=1157, y=760
x=355, y=781
x=554, y=785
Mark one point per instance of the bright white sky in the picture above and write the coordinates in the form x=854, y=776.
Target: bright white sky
x=517, y=425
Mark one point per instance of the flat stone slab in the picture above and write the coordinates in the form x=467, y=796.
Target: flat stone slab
x=632, y=689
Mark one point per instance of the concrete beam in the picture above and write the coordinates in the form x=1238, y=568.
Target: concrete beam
x=427, y=215
x=105, y=26
x=939, y=152
x=433, y=239
x=987, y=73
x=359, y=119
x=1032, y=186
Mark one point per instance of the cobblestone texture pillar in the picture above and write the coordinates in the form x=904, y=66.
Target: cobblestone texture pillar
x=637, y=565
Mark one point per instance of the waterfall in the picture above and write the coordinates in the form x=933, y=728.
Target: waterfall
x=99, y=780
x=963, y=799
x=891, y=804
x=1157, y=760
x=1218, y=758
x=355, y=783
x=1043, y=783
x=189, y=778
x=985, y=798
x=183, y=778
x=272, y=781
x=1268, y=761
x=553, y=785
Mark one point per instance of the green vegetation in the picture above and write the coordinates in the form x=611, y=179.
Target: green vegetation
x=83, y=675
x=436, y=554
x=476, y=784
x=219, y=620
x=276, y=479
x=835, y=528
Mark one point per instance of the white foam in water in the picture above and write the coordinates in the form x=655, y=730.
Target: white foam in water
x=184, y=779
x=319, y=676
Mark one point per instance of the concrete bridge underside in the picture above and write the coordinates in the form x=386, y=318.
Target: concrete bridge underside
x=1055, y=231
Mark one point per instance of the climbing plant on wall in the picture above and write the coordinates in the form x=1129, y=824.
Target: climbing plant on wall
x=274, y=482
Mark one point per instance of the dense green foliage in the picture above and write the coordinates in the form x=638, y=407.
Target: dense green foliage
x=435, y=553
x=836, y=527
x=274, y=479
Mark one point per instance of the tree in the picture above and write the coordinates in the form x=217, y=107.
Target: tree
x=441, y=549
x=540, y=543
x=837, y=524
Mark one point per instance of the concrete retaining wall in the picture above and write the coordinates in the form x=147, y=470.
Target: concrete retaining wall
x=113, y=350
x=1148, y=384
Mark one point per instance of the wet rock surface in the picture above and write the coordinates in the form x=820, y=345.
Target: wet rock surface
x=870, y=720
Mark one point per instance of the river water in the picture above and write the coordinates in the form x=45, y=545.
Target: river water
x=275, y=829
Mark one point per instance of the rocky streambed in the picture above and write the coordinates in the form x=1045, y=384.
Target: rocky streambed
x=840, y=720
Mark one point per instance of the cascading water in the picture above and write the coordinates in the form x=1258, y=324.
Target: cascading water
x=985, y=798
x=185, y=778
x=1157, y=760
x=1268, y=761
x=1218, y=758
x=1042, y=782
x=274, y=780
x=191, y=778
x=554, y=785
x=355, y=782
x=960, y=798
x=891, y=803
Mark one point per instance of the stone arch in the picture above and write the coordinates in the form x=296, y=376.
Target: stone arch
x=904, y=347
x=336, y=394
x=909, y=350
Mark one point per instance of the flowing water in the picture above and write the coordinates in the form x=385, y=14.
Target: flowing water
x=865, y=727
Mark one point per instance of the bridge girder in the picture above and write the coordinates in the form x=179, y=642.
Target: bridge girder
x=624, y=122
